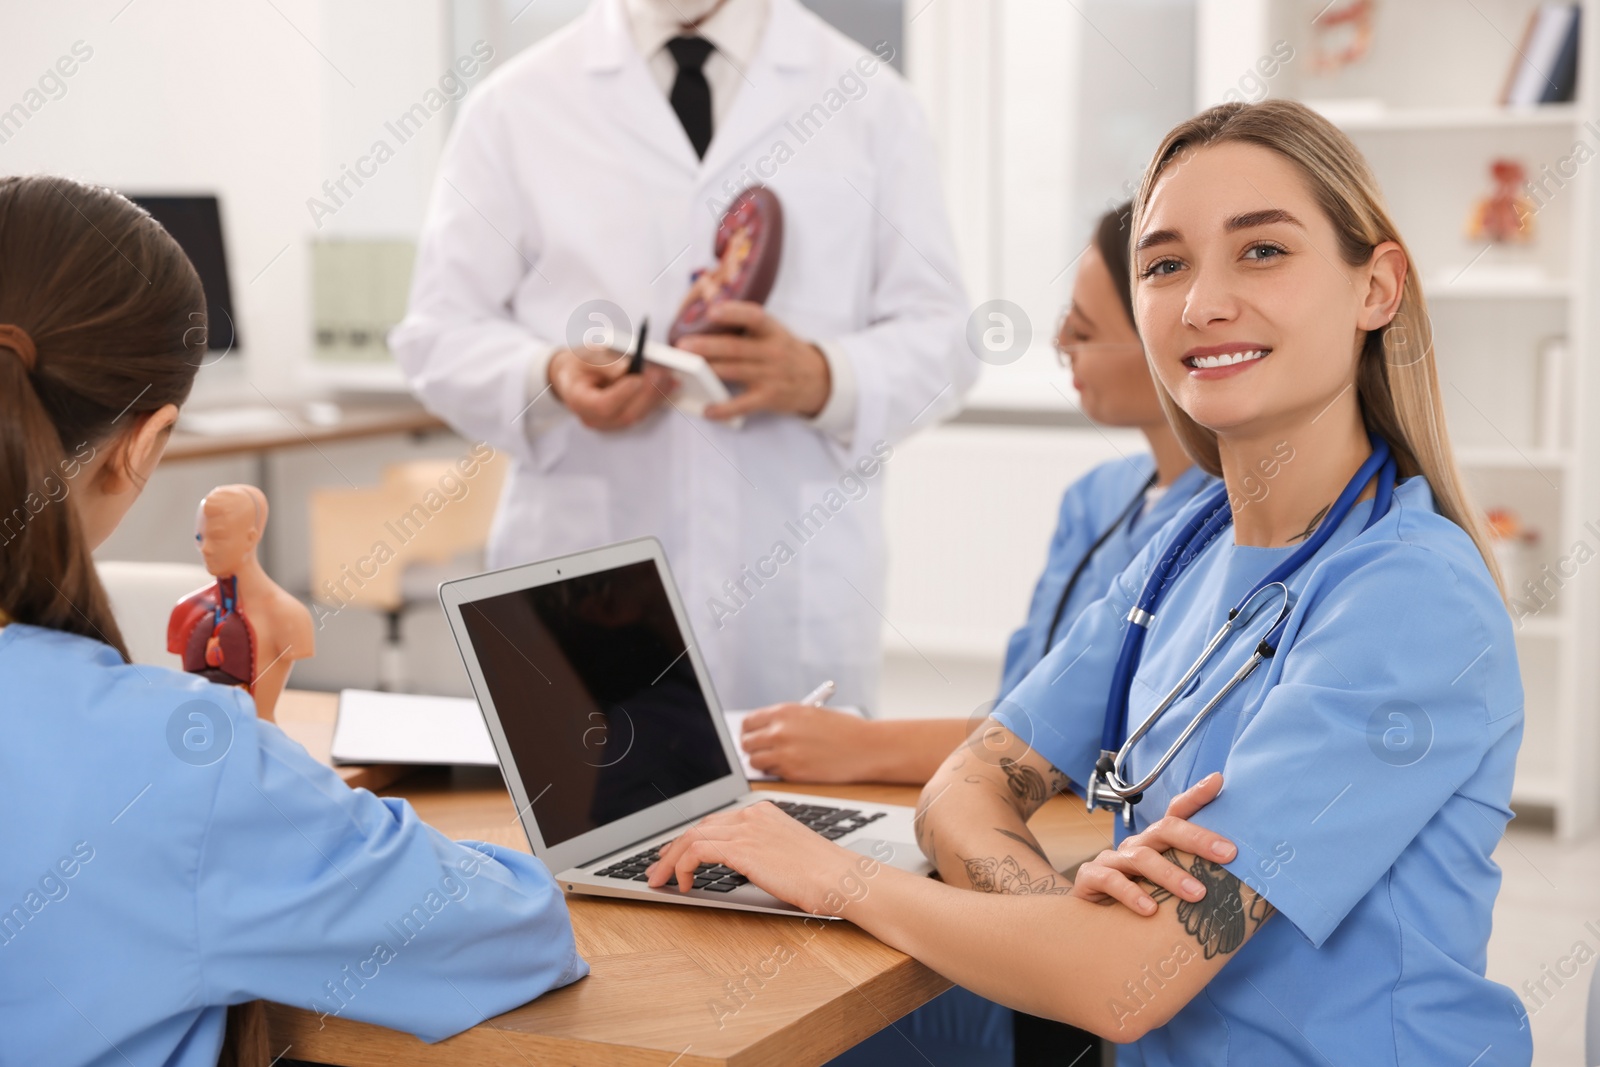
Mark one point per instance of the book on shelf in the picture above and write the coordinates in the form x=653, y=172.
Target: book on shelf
x=1545, y=67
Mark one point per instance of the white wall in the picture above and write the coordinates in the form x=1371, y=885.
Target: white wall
x=394, y=53
x=1045, y=114
x=970, y=510
x=257, y=102
x=1042, y=111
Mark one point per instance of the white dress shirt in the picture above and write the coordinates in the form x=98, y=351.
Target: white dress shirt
x=734, y=31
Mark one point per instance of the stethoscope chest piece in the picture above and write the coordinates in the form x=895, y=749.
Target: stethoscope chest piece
x=1101, y=792
x=1109, y=784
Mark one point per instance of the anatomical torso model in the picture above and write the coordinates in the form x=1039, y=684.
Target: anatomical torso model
x=244, y=629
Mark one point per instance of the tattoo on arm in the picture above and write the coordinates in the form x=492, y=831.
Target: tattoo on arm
x=1028, y=785
x=1025, y=785
x=1312, y=525
x=1070, y=876
x=991, y=875
x=1222, y=918
x=1018, y=838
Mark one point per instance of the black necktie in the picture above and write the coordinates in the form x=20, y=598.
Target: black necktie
x=691, y=94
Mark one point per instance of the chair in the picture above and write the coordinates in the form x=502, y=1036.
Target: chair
x=388, y=547
x=142, y=596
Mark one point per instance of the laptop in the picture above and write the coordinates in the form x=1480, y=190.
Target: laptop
x=610, y=735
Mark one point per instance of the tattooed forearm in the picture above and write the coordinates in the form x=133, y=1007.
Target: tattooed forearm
x=995, y=787
x=991, y=875
x=1312, y=525
x=1222, y=919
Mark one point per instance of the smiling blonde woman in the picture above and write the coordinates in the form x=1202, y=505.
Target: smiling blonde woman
x=1311, y=879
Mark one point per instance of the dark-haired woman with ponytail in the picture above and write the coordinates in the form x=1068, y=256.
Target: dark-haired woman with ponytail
x=166, y=854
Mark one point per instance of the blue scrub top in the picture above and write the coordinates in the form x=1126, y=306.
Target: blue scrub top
x=167, y=853
x=1088, y=507
x=1367, y=771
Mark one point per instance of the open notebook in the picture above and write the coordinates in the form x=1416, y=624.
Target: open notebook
x=405, y=728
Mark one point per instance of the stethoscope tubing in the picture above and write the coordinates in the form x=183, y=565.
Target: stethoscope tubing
x=1259, y=656
x=1083, y=563
x=1201, y=529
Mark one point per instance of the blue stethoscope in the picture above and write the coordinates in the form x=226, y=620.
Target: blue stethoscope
x=1108, y=784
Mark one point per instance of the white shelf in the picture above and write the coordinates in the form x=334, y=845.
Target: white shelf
x=1357, y=117
x=1466, y=287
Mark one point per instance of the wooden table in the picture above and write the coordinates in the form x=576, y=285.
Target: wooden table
x=357, y=421
x=661, y=975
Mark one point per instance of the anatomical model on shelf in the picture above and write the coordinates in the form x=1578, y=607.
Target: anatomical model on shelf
x=1505, y=216
x=1342, y=35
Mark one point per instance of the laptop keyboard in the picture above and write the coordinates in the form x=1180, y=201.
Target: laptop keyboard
x=832, y=823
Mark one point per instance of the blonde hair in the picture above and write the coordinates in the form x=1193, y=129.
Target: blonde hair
x=1397, y=383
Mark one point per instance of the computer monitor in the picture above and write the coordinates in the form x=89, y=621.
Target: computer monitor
x=195, y=222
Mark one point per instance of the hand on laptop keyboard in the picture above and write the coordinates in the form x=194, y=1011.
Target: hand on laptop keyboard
x=782, y=855
x=832, y=823
x=713, y=877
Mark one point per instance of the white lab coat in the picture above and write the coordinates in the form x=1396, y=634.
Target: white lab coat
x=567, y=178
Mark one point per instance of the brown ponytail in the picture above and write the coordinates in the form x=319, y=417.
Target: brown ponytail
x=107, y=323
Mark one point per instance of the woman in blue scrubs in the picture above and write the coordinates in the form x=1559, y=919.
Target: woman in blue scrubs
x=1332, y=903
x=1105, y=517
x=167, y=854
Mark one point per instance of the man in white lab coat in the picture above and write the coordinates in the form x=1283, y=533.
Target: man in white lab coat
x=587, y=176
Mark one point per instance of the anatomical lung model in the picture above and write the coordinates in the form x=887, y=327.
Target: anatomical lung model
x=243, y=629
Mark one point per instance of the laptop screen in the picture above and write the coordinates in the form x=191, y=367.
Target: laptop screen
x=596, y=695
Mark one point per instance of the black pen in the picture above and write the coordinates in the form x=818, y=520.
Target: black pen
x=636, y=361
